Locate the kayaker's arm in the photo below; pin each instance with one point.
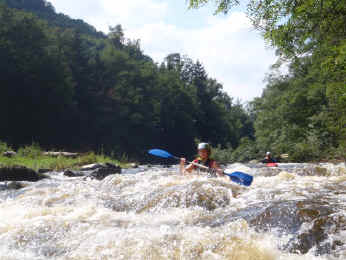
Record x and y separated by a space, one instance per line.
217 169
214 167
184 169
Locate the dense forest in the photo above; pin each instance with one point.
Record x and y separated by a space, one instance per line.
45 10
66 86
302 112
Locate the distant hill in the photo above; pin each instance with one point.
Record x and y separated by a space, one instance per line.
65 85
45 10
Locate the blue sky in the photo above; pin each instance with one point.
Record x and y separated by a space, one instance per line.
229 48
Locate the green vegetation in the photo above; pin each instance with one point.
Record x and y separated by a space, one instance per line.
45 10
4 147
66 88
302 113
32 157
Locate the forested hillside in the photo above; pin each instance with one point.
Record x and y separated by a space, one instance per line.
64 87
303 112
45 10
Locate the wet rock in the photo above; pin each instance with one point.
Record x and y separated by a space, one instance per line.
70 173
13 185
3 187
9 154
317 237
288 216
44 170
310 223
19 173
305 241
104 171
96 171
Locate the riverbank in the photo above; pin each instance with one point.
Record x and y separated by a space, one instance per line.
33 157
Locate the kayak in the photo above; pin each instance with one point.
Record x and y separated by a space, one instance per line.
272 165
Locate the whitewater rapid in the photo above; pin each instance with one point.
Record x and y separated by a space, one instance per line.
294 211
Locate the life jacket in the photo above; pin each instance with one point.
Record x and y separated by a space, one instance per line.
268 160
209 163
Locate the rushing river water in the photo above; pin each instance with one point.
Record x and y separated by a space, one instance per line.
294 211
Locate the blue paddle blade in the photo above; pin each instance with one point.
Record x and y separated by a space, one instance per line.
160 153
240 178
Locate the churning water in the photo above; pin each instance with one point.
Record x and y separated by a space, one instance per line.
294 211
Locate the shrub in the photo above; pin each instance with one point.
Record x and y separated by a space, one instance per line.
246 151
32 151
88 158
4 147
222 156
340 152
304 152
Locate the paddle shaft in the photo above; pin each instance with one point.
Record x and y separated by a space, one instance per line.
197 164
200 165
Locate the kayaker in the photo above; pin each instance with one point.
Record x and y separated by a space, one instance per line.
268 158
204 152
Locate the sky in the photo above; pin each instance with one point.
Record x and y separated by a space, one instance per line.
229 48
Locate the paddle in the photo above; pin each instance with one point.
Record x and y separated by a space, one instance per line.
238 177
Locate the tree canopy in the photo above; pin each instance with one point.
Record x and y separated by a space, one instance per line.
303 112
63 86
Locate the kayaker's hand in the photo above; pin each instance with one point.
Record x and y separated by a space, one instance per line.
182 165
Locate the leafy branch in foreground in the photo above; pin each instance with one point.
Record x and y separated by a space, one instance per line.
222 6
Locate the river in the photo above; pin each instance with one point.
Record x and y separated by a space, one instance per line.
294 211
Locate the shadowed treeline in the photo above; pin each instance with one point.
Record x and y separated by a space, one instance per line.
67 87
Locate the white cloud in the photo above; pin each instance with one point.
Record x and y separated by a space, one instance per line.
228 47
105 13
134 12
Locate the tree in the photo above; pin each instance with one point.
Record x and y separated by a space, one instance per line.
295 27
116 35
221 5
70 88
305 108
36 85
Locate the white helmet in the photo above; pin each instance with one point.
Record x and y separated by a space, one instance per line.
202 146
268 153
